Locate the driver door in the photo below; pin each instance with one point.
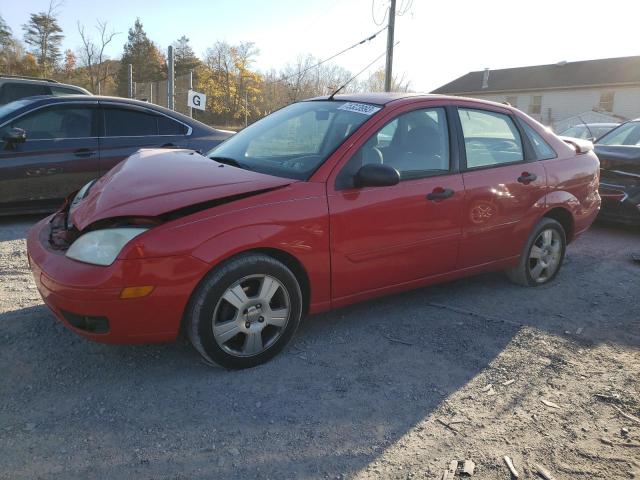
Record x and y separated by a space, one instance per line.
387 238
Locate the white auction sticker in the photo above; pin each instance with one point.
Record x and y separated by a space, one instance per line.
363 108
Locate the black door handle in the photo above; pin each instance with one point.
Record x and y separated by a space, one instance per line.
84 152
168 145
526 178
440 193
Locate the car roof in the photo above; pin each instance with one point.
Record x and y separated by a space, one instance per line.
384 98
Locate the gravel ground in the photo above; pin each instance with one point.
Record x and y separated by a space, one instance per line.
395 388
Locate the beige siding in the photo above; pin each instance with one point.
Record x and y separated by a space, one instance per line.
558 105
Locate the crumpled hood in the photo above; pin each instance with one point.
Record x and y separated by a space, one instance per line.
619 157
152 182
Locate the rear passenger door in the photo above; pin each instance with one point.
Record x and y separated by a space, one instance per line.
126 129
504 186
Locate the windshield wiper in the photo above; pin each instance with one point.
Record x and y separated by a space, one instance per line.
229 161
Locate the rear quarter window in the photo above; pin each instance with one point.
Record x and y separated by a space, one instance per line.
541 149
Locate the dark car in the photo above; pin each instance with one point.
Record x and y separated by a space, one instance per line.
13 87
619 154
54 145
588 131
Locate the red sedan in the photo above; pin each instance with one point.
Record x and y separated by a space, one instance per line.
324 203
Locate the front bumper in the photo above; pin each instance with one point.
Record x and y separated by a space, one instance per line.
82 295
620 204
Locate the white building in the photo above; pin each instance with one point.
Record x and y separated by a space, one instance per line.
554 93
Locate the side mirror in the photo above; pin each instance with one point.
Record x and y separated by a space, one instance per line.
376 175
15 136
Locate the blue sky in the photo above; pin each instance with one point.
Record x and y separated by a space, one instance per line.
439 40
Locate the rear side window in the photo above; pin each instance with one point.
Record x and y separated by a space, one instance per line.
166 126
60 121
15 91
541 148
120 122
490 138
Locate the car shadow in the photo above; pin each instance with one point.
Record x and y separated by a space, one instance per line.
352 383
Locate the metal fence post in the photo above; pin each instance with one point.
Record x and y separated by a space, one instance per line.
191 88
171 82
130 81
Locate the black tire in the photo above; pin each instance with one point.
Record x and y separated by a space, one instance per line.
522 273
199 315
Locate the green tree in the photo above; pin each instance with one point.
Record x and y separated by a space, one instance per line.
145 57
5 34
43 34
184 58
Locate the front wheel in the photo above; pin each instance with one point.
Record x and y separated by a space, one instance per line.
244 312
542 256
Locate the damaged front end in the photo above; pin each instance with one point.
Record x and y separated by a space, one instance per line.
620 184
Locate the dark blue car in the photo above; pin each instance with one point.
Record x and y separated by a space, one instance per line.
52 145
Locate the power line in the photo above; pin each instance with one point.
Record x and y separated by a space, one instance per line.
300 74
373 14
365 68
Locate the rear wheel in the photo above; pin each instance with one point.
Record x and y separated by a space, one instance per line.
542 256
244 312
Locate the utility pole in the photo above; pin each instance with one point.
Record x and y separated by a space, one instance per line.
388 71
171 79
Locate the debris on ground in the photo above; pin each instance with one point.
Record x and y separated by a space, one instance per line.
628 416
511 466
463 468
468 467
543 472
549 403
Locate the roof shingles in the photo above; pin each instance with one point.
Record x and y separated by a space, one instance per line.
607 71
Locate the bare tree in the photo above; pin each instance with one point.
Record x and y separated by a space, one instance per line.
92 55
44 35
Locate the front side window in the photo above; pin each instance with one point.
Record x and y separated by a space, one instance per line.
490 138
626 134
415 143
294 141
59 121
121 122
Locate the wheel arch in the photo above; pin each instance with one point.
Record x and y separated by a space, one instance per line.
564 217
289 260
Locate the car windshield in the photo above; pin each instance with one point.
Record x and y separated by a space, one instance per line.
12 107
294 141
626 134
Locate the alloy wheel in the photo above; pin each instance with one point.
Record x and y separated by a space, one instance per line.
251 315
545 255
